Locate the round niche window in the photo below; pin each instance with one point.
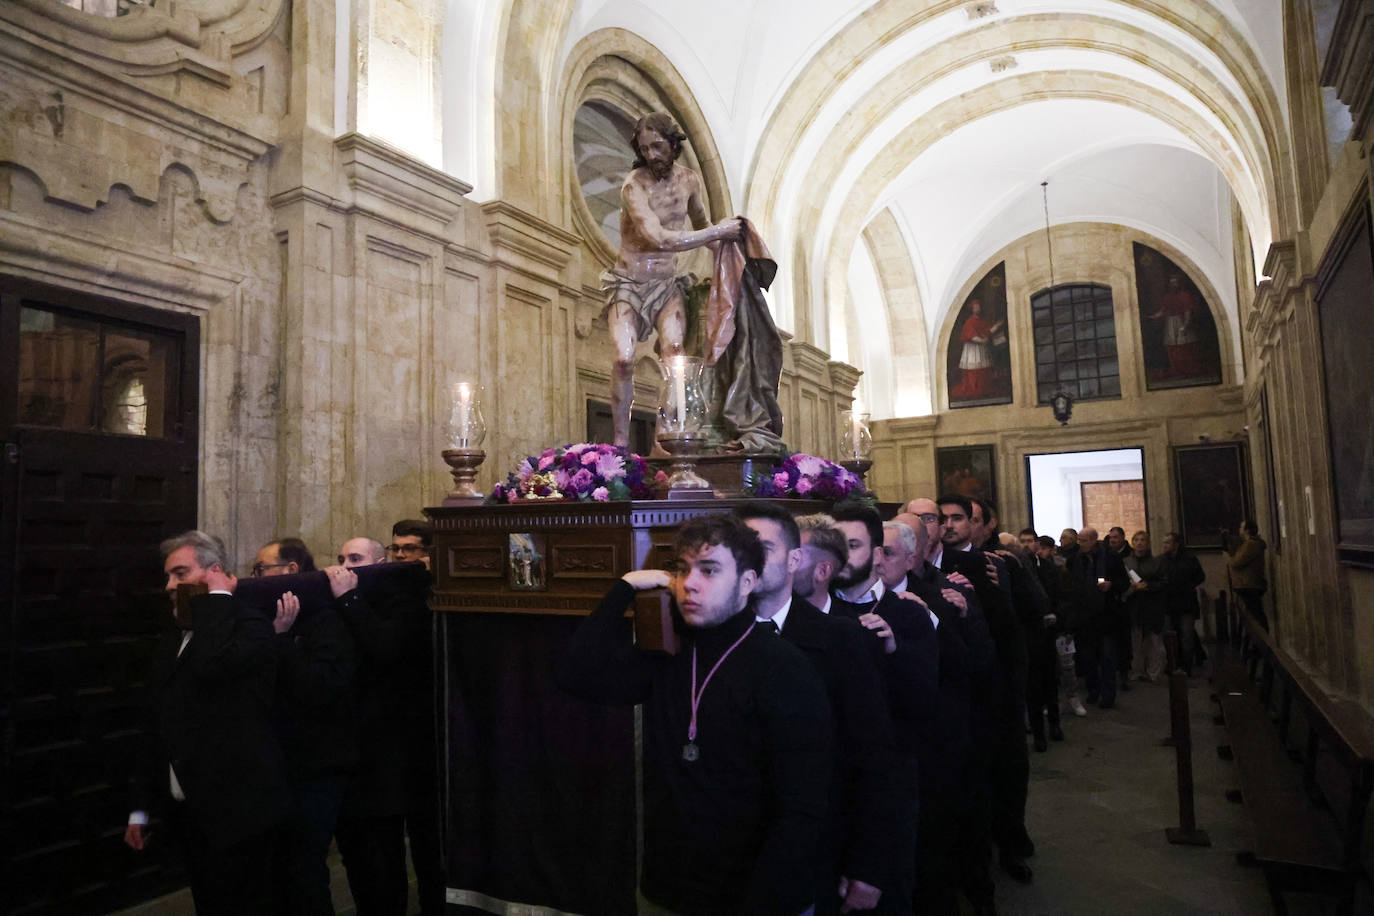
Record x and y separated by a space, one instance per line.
601 145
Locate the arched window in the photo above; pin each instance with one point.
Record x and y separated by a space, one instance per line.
1075 342
601 149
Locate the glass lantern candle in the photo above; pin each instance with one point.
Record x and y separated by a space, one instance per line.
856 441
681 416
467 429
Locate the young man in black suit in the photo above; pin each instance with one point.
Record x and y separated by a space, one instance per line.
1006 743
862 831
737 744
211 764
910 665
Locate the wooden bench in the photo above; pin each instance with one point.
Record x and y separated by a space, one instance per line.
1307 800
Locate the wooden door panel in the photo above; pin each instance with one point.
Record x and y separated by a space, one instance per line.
83 514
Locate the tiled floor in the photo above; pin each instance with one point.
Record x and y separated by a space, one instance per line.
1099 804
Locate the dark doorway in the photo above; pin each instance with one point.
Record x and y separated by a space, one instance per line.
99 419
601 427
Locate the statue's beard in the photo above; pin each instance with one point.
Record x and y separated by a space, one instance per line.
661 170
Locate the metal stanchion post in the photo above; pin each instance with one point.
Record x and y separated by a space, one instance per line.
1186 833
1171 653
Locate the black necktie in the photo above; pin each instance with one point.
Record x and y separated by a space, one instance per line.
769 626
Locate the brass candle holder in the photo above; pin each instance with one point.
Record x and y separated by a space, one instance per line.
684 482
466 431
463 464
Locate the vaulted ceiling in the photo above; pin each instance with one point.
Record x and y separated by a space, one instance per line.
943 117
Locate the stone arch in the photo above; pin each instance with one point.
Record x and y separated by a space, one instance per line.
835 241
618 66
1239 102
886 22
902 314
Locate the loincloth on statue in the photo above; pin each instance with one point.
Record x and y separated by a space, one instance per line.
646 298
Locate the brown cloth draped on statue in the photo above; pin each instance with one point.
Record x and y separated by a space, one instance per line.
743 345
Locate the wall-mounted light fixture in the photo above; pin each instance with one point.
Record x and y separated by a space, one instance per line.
1062 405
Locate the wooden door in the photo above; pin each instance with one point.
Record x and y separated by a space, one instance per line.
98 413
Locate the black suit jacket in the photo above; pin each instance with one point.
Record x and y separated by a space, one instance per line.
912 673
209 716
316 713
396 764
862 827
1008 636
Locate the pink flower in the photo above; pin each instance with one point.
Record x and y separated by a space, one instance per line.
780 480
561 479
804 485
589 457
808 465
547 459
601 494
581 480
610 466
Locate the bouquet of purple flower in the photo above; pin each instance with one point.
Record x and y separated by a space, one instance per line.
808 477
585 471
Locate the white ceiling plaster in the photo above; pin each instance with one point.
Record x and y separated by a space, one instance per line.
976 189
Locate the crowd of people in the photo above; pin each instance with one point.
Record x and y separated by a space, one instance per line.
844 726
271 735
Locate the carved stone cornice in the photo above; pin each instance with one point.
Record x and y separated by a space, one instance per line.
904 428
525 242
35 249
1349 64
153 38
395 186
810 361
82 132
1273 306
843 377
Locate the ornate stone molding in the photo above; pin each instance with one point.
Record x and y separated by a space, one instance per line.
81 132
525 242
398 187
843 377
158 37
33 248
810 361
1349 64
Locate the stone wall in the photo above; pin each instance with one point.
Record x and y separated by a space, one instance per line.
343 282
904 449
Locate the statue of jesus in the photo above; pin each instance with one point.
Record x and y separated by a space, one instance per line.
662 213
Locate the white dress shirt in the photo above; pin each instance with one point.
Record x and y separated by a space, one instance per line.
780 618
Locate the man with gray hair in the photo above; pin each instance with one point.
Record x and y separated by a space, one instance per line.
210 764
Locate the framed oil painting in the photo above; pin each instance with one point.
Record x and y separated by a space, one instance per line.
1213 491
1345 301
968 470
979 360
1178 335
